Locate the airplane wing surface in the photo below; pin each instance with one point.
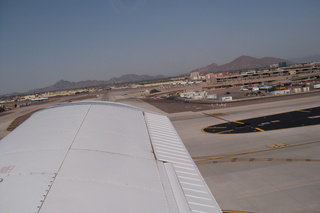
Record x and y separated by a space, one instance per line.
99 157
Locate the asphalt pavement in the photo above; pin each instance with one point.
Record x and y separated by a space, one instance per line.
292 119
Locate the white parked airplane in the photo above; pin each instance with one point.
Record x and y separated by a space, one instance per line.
38 99
99 157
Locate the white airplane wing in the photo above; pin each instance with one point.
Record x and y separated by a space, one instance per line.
99 157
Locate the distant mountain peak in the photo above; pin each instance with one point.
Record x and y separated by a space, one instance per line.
206 69
242 62
62 82
244 57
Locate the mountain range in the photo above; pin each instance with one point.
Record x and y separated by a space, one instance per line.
64 85
242 62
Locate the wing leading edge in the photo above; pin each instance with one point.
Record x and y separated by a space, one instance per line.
98 157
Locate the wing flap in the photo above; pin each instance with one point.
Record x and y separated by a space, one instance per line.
169 148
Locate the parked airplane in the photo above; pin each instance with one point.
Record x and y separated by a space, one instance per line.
262 87
99 157
38 99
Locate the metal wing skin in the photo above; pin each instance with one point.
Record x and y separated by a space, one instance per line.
99 157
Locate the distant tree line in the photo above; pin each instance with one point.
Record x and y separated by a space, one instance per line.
154 91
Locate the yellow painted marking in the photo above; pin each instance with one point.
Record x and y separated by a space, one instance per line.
224 131
277 145
114 98
238 122
218 114
303 111
261 130
224 156
215 127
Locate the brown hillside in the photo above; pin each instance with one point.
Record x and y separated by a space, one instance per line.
242 62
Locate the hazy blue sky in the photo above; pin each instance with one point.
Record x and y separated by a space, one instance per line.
44 41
